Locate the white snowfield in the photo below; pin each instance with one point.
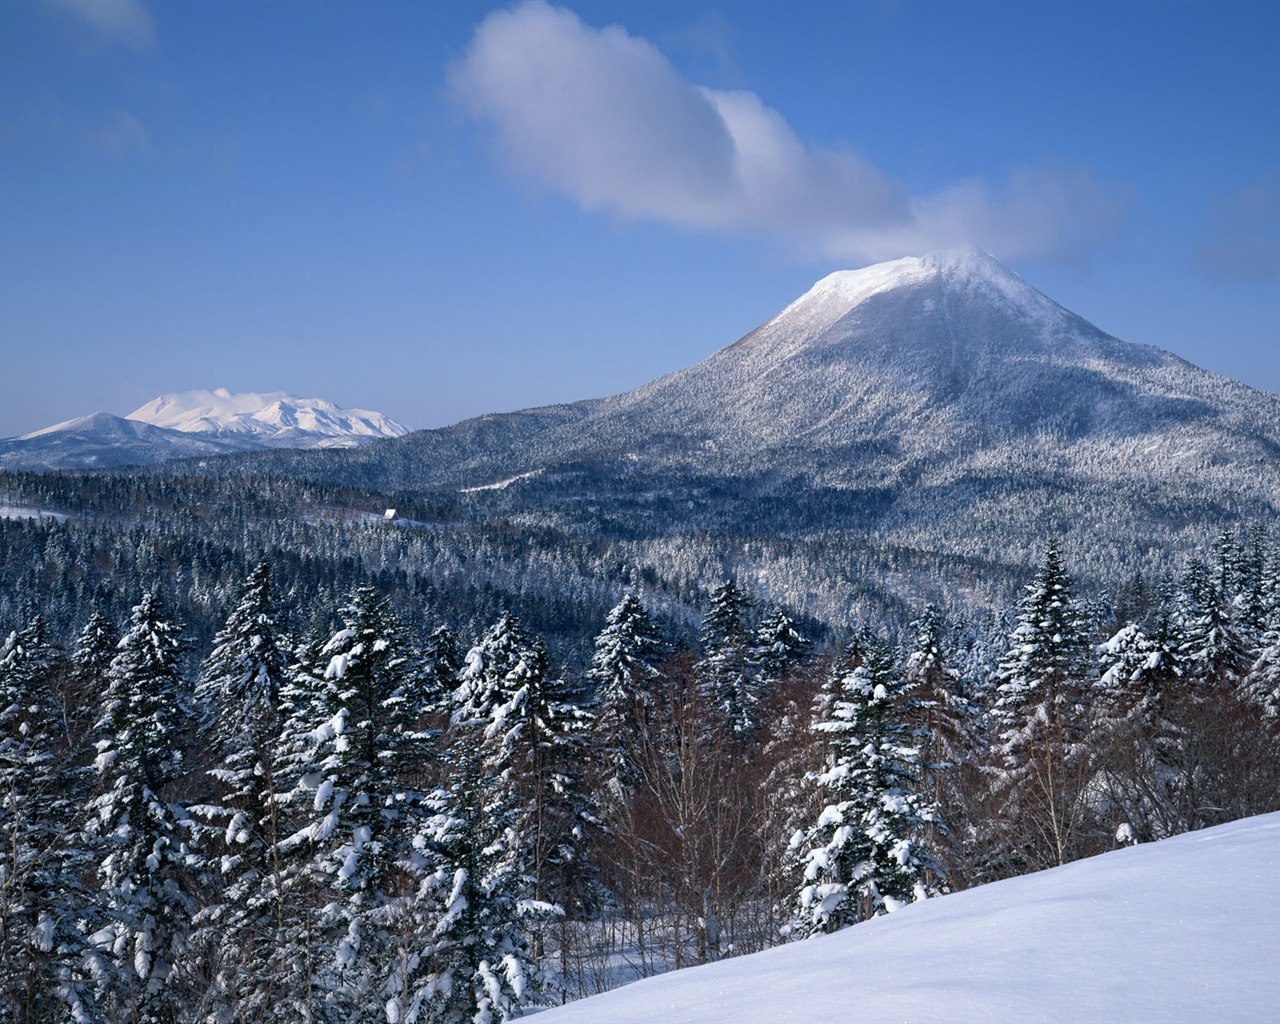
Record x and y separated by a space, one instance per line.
272 416
1182 930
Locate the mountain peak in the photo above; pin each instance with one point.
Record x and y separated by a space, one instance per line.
965 268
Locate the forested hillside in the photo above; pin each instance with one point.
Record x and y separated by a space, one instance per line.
345 812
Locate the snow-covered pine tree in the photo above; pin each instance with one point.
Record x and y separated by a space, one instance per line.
41 898
1257 581
534 742
864 855
361 783
1216 650
142 836
239 696
723 671
1135 743
946 726
1040 768
777 648
624 671
483 679
473 964
1264 676
88 673
441 664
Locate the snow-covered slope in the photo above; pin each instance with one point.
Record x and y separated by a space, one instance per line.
913 378
275 419
1181 930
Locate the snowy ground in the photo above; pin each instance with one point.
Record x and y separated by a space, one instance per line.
1182 930
21 512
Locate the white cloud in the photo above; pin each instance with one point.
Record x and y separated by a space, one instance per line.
603 118
116 21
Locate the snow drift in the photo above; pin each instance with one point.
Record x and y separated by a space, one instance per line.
1181 930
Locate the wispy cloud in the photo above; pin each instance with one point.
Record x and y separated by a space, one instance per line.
1242 239
126 22
121 133
603 118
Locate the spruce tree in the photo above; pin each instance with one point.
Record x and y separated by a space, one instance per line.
366 752
440 667
474 962
41 898
533 742
947 728
777 647
88 675
483 680
1216 649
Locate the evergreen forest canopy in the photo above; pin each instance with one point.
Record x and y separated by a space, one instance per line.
336 803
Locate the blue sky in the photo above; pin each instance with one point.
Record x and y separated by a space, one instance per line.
438 210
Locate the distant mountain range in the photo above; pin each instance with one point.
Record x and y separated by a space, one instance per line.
187 424
916 430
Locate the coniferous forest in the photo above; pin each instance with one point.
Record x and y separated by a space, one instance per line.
374 806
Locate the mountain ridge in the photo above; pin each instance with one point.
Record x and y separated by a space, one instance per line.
270 416
189 424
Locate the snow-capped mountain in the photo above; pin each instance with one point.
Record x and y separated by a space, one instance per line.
922 367
932 411
1179 930
195 423
276 419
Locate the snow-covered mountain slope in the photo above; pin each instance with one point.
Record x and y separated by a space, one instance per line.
924 380
190 424
1181 930
101 441
275 419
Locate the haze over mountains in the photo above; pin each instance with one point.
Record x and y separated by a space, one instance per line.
193 423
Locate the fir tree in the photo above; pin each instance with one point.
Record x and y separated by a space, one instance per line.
239 691
365 755
142 835
624 671
1040 766
864 855
723 670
